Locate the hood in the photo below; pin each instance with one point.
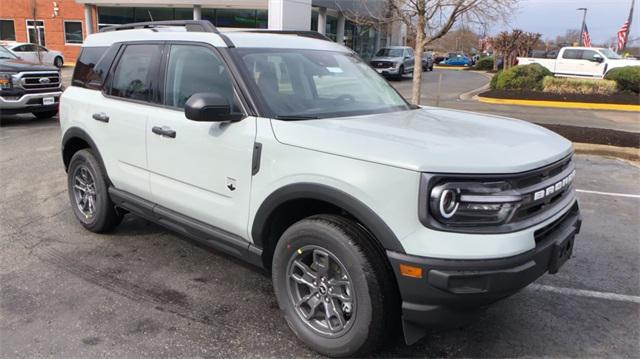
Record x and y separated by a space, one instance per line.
20 65
431 140
386 58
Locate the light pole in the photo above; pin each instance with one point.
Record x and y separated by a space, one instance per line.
584 21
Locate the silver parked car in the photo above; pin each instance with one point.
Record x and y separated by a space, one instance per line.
393 61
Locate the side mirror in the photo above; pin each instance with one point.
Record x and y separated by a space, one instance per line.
210 107
597 58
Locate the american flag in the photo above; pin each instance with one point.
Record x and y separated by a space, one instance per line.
586 40
622 35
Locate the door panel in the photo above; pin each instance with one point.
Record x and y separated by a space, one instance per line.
130 94
204 172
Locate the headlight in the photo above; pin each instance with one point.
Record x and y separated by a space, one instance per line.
6 80
495 203
472 203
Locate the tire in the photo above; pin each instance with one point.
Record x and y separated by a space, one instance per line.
374 310
45 114
400 72
104 216
58 62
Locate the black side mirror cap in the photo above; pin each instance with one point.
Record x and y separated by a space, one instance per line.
210 107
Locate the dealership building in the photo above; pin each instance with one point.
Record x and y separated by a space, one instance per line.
62 25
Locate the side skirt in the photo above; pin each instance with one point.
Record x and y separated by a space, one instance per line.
201 232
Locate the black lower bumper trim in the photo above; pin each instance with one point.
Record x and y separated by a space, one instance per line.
450 289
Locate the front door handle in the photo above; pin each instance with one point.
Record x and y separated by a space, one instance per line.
101 116
164 131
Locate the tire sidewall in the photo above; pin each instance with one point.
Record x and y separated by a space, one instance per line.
335 241
86 158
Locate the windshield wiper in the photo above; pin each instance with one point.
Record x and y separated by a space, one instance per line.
296 117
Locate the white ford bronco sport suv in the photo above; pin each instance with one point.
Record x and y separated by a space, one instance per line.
293 154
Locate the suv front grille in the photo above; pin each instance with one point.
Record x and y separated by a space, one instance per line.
30 81
539 180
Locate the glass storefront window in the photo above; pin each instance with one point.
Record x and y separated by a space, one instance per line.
242 18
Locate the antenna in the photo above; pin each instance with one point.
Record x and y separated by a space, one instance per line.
149 12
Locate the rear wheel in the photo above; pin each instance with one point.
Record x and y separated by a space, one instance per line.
333 286
88 193
45 114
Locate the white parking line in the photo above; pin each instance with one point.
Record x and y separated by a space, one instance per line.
626 195
586 293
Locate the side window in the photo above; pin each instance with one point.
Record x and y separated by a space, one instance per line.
192 69
19 48
135 76
86 63
572 54
409 52
40 48
588 54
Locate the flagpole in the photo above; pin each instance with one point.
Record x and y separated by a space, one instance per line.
584 21
626 37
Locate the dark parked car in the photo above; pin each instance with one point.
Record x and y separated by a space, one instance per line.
427 61
26 87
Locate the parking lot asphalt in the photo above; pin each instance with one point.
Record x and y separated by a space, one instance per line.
143 291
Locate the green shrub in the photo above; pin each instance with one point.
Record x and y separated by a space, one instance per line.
494 80
485 63
522 77
561 85
628 78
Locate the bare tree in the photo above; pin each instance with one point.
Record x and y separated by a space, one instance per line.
429 20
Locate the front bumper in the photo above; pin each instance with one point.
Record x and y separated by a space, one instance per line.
448 290
388 71
30 102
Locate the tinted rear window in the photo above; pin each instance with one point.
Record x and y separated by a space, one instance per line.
86 65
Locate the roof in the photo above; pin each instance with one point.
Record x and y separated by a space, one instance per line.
239 38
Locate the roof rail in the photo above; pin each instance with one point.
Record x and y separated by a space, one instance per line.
301 33
189 25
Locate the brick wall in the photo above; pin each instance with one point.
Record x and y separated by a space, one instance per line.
21 10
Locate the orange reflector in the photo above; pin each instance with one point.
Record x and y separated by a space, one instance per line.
410 271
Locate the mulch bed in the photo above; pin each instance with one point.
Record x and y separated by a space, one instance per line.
623 98
599 136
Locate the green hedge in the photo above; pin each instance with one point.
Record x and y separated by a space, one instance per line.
628 78
485 63
521 77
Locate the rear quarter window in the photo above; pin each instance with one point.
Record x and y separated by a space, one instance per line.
92 66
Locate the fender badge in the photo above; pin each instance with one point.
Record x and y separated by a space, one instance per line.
231 184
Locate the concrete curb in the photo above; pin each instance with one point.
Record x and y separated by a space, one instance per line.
627 153
472 95
559 104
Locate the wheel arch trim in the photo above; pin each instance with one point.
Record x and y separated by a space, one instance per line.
313 191
77 132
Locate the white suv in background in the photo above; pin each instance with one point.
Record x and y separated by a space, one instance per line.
293 154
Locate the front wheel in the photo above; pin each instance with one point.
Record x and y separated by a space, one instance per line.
88 193
333 286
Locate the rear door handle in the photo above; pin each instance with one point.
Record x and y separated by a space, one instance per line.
164 131
101 116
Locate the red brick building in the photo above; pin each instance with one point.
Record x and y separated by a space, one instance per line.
59 24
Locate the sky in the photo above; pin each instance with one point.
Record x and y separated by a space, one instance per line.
554 17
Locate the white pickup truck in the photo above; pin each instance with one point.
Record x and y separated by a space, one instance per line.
579 61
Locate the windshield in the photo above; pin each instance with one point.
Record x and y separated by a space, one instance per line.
389 53
303 84
6 54
610 54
